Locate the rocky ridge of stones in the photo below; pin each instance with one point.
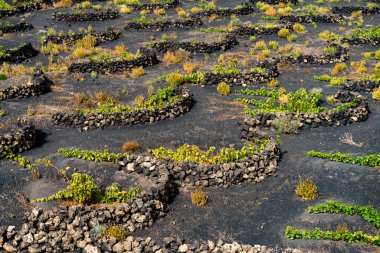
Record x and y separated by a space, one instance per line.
244 79
351 9
39 85
148 58
227 43
251 169
98 120
20 27
361 41
325 18
310 120
109 35
19 54
153 6
21 9
273 2
244 10
22 139
361 85
340 55
81 17
257 31
164 25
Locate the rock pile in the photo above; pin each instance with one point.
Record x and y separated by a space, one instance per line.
164 25
98 120
325 18
153 6
19 54
38 85
244 79
81 17
19 141
20 27
250 169
148 58
227 43
339 55
361 41
258 30
308 120
361 85
351 9
21 9
243 10
109 35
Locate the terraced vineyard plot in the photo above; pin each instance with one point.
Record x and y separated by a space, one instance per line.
189 126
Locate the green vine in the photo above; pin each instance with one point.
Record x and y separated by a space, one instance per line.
368 213
368 160
89 155
83 189
193 153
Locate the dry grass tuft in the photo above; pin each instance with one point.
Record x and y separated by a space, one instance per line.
131 146
306 189
348 139
171 57
199 197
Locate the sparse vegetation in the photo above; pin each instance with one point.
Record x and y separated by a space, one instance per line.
223 89
368 160
306 189
131 146
199 197
83 189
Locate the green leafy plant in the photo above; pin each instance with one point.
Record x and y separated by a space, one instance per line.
115 231
161 98
83 189
299 101
368 160
372 32
89 155
368 213
286 124
193 153
223 89
21 160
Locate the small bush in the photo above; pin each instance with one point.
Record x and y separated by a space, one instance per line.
273 45
94 75
298 28
339 67
223 89
63 4
376 94
115 231
159 12
306 189
199 197
273 83
286 124
174 79
189 67
35 174
101 96
140 100
138 72
283 33
171 57
260 45
131 146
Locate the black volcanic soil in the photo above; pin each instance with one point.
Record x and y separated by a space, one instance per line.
248 213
